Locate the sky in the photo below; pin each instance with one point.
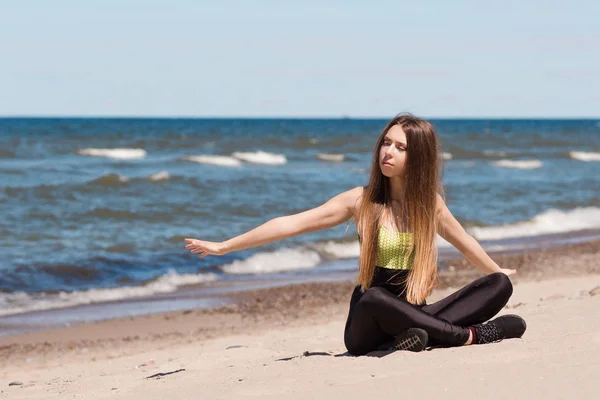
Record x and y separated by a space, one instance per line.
304 58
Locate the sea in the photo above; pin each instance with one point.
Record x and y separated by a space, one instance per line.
94 211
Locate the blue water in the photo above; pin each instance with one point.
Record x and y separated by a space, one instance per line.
73 222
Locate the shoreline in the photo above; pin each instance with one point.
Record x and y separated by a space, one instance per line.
253 310
214 295
54 313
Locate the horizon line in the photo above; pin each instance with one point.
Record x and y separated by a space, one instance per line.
292 117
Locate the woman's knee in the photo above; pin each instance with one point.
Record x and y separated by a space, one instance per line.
502 284
354 348
372 297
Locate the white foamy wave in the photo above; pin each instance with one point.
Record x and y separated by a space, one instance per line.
159 176
331 157
447 156
495 153
551 221
519 164
119 154
261 157
20 302
276 261
224 161
440 242
584 156
339 250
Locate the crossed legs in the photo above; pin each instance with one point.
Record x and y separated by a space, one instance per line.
377 316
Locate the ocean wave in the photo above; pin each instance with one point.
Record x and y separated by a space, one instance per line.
167 215
224 161
119 154
301 258
159 176
341 250
493 153
261 157
116 180
519 164
331 157
440 242
7 153
281 260
549 222
109 180
20 302
584 156
108 213
338 250
465 154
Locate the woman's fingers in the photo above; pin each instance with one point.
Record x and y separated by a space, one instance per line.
192 243
204 248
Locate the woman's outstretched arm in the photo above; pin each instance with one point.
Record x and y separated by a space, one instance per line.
453 232
335 211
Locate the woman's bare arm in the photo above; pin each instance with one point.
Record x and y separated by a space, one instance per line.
335 211
453 232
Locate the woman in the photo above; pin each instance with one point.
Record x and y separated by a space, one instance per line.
398 215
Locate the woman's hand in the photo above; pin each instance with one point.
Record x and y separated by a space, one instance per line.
205 248
508 272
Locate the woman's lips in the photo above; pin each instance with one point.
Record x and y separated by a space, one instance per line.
387 164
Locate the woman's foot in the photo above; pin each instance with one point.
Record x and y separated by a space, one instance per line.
504 327
413 339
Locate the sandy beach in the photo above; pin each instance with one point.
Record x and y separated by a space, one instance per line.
183 192
288 342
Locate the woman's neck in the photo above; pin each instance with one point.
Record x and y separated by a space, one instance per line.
396 189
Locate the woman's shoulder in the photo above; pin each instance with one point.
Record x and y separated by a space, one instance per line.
353 199
356 195
350 199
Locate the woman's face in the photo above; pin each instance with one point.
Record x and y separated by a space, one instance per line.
392 154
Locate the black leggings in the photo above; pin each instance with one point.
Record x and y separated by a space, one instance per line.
377 315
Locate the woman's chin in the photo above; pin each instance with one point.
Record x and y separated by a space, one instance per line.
389 173
386 172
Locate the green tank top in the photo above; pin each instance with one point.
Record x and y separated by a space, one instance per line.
393 249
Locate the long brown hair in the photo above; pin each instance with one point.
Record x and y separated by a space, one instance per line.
422 184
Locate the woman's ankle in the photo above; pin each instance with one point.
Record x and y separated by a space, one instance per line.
471 338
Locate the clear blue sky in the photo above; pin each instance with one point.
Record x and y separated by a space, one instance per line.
300 58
